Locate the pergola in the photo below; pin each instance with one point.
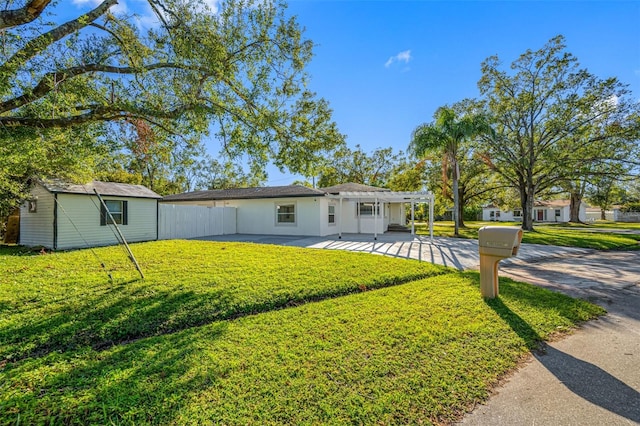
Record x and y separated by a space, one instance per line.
387 197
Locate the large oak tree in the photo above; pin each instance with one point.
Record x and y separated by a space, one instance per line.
552 117
236 74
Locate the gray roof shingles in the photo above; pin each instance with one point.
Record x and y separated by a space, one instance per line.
247 193
111 189
352 187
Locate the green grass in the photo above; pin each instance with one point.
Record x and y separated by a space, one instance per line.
569 235
64 300
423 349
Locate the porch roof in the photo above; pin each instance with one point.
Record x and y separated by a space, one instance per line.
385 196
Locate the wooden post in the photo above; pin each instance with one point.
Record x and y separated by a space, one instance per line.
113 222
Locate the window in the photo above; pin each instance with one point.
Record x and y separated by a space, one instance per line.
366 209
286 213
557 212
332 215
33 206
517 213
118 210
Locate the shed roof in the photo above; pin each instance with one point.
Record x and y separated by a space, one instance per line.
113 189
247 193
352 187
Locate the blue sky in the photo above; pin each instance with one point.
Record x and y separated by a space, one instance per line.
386 66
377 102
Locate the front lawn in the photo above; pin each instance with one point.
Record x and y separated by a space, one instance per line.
579 235
320 348
62 301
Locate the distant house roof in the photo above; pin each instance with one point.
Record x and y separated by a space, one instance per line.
548 203
247 193
552 203
112 189
352 187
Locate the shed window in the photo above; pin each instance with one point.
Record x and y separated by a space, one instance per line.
286 213
118 210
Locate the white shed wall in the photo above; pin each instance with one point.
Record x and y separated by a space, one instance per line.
36 229
82 212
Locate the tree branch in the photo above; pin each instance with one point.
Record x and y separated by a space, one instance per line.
98 113
50 80
24 15
40 43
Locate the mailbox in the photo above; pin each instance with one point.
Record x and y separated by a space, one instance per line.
495 243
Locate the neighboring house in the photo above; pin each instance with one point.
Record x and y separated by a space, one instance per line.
299 210
63 216
543 211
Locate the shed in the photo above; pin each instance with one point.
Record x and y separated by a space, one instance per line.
60 215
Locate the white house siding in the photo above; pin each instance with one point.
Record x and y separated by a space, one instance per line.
83 212
190 221
351 223
327 228
539 214
36 229
498 215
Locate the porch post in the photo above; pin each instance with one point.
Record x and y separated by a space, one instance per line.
340 219
375 219
413 220
431 216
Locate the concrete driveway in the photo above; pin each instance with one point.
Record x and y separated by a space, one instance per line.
459 253
591 377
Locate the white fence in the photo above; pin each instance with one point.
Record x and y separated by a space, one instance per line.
633 217
184 221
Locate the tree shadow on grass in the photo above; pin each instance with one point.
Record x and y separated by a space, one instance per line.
584 379
102 320
148 381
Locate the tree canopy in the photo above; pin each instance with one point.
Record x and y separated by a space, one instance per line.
236 74
551 119
357 166
446 136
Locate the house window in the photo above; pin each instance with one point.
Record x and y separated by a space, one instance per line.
332 215
33 206
118 210
557 212
366 209
517 213
286 213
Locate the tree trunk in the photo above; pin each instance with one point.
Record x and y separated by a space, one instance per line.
460 212
456 198
526 201
574 208
603 214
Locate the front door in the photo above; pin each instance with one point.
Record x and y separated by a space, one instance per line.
540 215
394 214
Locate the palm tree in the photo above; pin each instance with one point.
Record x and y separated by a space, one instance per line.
443 137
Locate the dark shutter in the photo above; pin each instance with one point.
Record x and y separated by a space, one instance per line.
124 213
103 215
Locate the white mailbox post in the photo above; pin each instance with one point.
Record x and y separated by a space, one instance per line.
495 243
